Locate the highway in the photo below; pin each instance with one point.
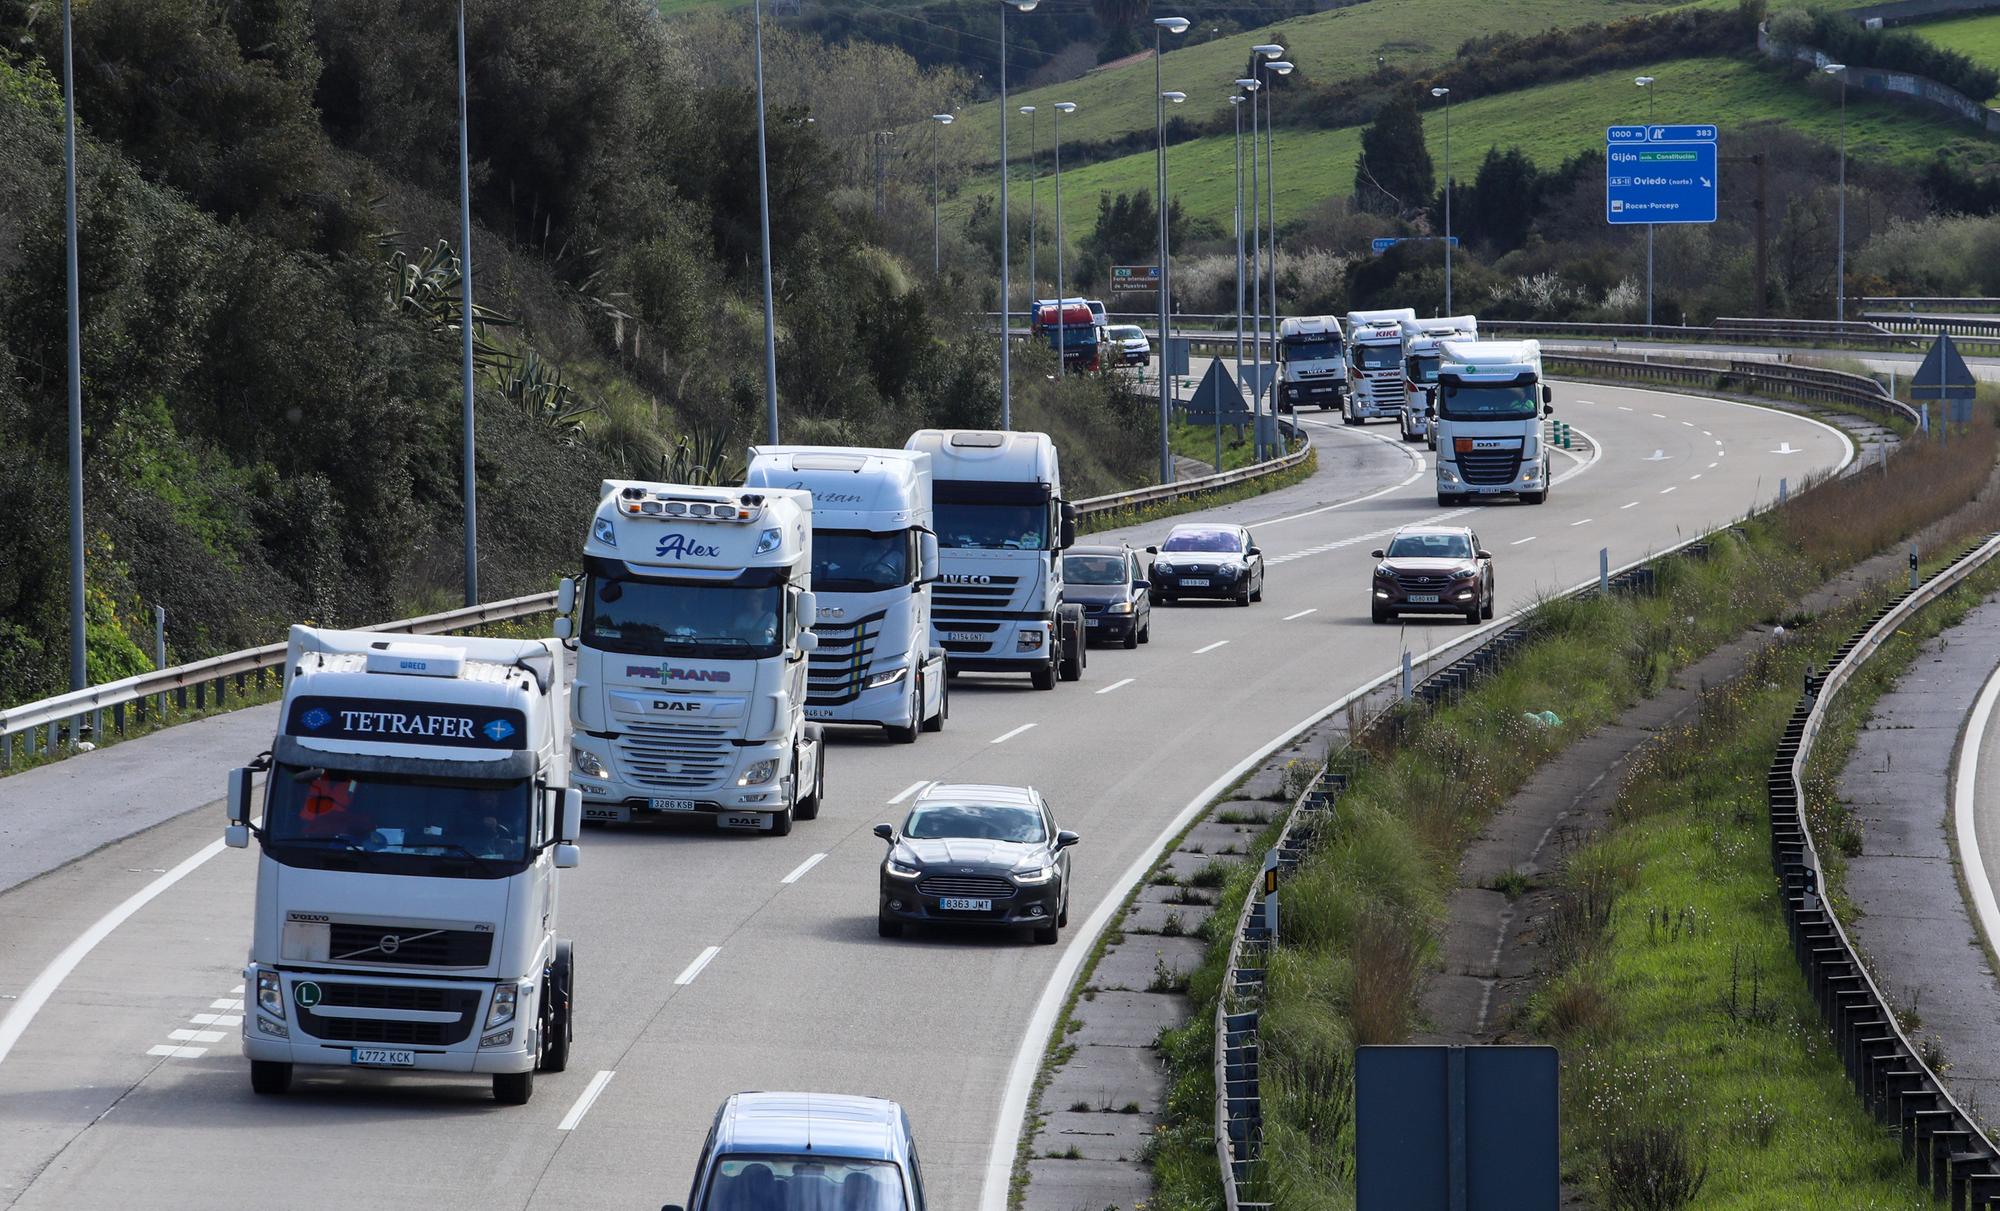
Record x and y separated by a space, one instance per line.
711 963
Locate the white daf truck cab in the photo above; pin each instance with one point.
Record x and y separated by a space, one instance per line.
1375 385
1312 362
1002 526
1421 357
874 557
1491 401
690 695
415 815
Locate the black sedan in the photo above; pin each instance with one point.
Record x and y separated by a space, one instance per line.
1208 560
976 855
1111 586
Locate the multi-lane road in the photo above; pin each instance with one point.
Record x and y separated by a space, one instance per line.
712 963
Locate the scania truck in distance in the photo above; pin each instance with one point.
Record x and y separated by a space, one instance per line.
1002 526
1421 339
1375 384
416 814
874 557
691 690
1312 362
1491 401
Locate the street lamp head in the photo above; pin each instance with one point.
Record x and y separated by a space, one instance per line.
1026 6
1173 25
1440 92
1834 69
942 119
1642 81
1237 98
1249 85
1065 107
1175 97
1027 109
1280 66
1270 50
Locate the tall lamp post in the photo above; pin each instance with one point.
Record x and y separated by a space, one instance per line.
1646 82
1250 85
1281 67
78 663
1236 101
1062 342
1006 317
1445 94
1034 175
1171 25
1840 256
937 229
764 240
1263 52
465 326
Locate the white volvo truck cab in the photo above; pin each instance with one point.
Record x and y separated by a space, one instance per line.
1375 385
1421 358
415 815
1002 526
1312 362
874 557
1491 401
697 613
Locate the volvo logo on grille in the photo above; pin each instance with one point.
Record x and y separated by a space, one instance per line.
390 944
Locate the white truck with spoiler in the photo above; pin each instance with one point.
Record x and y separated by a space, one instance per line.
1375 386
1490 403
415 816
1421 358
1312 362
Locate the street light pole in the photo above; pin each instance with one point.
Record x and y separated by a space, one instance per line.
1006 317
465 326
1172 25
1034 176
1062 334
1271 216
1251 86
1236 101
1447 94
1646 82
937 230
764 238
1840 255
79 674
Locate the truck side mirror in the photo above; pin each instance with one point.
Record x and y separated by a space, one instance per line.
887 832
237 834
572 814
567 855
566 595
808 610
808 642
1548 409
927 558
563 628
1548 394
1068 525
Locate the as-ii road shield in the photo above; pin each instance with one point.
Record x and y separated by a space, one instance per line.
1659 174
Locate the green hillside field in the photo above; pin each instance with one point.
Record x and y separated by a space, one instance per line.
1549 123
1977 38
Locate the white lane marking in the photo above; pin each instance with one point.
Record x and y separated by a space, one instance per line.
1721 453
217 1019
1517 542
907 791
1657 456
1688 423
1415 475
177 1053
1211 647
799 871
693 969
1695 476
1114 685
1300 614
23 1011
1659 416
1713 466
585 1100
1586 521
1964 803
1786 448
1709 433
195 1036
1623 408
226 1003
1664 491
1004 737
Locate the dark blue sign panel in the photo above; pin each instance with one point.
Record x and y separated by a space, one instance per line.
1659 174
1382 244
456 724
1456 1129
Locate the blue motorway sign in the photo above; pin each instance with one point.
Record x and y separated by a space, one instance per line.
1659 174
1382 244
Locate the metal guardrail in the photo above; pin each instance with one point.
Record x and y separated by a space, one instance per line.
1804 383
1931 302
1094 505
1953 1156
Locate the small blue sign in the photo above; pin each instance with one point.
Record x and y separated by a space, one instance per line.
1660 174
1382 244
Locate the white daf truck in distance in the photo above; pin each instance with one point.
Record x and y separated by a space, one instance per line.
1312 362
691 652
415 816
1375 384
1490 403
874 557
1421 357
1002 526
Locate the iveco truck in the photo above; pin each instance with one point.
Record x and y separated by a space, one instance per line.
1421 339
690 695
1490 403
1312 362
415 816
1002 526
1375 387
874 558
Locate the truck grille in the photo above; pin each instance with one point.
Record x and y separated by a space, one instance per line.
845 657
980 886
673 756
323 1021
949 601
1384 388
1489 466
408 945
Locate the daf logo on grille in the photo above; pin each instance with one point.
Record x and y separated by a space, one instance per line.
390 943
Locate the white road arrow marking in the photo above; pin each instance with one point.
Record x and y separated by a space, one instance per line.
1786 448
1657 456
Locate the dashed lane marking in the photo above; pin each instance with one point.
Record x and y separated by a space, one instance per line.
585 1100
1211 647
1114 685
1586 521
1517 542
799 871
907 791
693 969
1664 491
1004 737
1300 614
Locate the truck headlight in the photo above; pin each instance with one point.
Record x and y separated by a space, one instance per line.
603 531
506 998
763 771
768 541
889 678
588 764
270 994
1028 641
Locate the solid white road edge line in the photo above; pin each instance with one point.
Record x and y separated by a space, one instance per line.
1300 614
585 1100
1211 647
693 969
1006 736
23 1011
1035 1038
799 871
1964 806
1408 453
1114 685
907 791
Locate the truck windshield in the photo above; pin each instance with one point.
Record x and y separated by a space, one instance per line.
856 561
682 618
1311 349
1009 527
392 824
1424 369
1495 402
782 1183
1378 357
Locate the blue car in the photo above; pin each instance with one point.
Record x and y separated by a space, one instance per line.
778 1151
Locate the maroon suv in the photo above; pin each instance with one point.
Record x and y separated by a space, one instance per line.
1432 570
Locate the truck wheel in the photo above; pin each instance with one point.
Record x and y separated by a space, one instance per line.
1043 677
556 1023
936 722
513 1088
908 735
270 1077
1533 498
781 821
1071 664
1446 499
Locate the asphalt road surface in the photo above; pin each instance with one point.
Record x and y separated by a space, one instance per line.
712 963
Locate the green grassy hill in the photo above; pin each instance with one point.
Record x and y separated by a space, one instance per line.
1977 38
1549 123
